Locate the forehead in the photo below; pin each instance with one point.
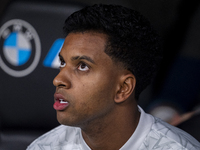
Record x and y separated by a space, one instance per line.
91 44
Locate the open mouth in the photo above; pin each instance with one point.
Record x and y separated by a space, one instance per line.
62 101
60 104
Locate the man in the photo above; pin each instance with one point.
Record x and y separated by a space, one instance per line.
109 56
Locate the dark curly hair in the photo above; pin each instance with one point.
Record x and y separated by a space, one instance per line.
131 39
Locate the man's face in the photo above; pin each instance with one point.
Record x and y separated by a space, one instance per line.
87 80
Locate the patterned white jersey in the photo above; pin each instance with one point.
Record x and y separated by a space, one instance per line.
150 134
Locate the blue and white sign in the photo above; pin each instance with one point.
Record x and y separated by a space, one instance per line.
52 59
17 49
21 48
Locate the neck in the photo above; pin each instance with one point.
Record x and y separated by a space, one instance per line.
112 131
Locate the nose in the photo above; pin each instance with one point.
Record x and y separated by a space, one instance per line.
62 80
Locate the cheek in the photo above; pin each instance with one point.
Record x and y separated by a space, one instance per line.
94 95
94 91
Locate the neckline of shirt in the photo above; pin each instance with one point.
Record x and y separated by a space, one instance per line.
143 128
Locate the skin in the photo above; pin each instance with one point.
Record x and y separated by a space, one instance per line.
100 92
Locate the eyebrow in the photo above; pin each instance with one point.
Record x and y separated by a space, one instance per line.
79 58
83 57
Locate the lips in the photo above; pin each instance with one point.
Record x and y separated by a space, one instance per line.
60 102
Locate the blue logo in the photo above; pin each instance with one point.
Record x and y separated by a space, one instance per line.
52 59
21 48
17 49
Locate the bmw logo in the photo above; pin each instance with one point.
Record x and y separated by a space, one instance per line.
20 48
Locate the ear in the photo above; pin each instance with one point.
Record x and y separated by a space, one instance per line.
125 88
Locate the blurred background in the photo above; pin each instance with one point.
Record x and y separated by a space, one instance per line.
31 36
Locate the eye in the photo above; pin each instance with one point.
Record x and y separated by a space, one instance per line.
62 63
83 67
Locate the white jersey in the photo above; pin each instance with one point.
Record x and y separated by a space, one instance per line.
150 134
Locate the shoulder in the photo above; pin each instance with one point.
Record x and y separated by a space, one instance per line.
163 135
61 134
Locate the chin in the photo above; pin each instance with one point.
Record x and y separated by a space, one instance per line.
66 121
